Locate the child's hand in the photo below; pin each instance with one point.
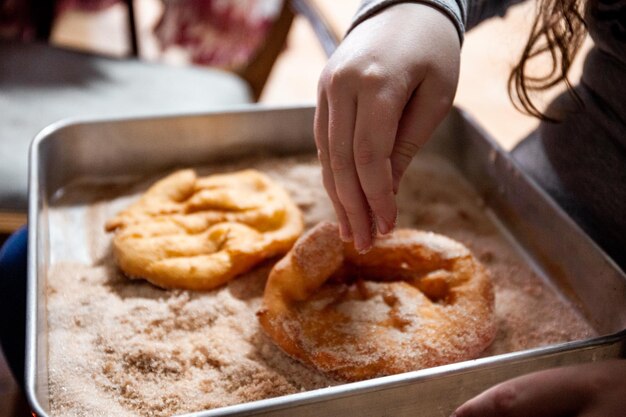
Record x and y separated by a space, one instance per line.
590 390
381 95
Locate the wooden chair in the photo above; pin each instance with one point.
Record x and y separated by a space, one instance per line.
257 71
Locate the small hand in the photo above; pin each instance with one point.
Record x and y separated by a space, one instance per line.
381 95
589 390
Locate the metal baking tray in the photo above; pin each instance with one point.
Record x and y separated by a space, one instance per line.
547 239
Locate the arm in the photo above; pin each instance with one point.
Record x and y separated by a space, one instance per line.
381 95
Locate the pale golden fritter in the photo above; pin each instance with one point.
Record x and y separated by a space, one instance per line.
197 233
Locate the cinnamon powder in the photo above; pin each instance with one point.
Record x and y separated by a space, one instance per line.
127 348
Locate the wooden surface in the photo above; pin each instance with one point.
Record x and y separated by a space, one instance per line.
10 221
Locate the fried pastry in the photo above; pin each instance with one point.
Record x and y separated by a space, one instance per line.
197 233
415 300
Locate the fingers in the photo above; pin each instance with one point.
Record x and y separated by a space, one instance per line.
364 90
589 390
554 392
341 119
374 136
366 143
355 138
422 114
321 140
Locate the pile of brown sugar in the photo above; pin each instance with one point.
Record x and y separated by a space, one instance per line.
127 348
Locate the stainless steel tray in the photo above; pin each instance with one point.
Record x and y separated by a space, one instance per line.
548 240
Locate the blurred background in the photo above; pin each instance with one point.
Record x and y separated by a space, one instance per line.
489 52
291 72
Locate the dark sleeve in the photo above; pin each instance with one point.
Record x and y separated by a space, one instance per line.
465 14
479 10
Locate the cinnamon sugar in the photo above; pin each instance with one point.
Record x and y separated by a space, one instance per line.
126 348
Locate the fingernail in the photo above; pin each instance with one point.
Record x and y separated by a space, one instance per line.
382 226
361 245
364 250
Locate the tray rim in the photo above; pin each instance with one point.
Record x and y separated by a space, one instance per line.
308 397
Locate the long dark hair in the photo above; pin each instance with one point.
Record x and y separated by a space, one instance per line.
559 30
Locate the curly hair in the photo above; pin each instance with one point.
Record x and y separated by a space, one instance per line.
559 30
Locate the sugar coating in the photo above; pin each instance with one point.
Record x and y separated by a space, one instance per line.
415 300
126 348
